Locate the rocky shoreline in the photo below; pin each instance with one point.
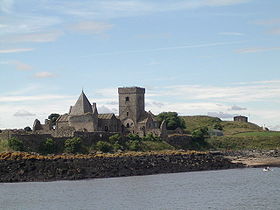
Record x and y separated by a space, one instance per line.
20 167
255 158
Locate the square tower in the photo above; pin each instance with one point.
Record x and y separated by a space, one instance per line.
131 103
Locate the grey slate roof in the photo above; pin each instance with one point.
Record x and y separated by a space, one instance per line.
82 106
106 116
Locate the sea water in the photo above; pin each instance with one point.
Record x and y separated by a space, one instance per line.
249 188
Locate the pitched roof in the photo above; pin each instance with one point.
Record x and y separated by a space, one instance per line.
106 116
63 118
82 106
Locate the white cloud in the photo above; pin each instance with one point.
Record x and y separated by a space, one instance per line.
23 113
204 45
275 31
268 22
257 49
231 34
237 108
35 37
6 6
44 74
124 8
220 115
91 27
16 50
104 110
19 98
21 66
236 94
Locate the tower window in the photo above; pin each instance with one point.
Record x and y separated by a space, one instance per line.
127 114
127 125
127 98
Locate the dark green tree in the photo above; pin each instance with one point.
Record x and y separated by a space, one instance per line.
27 129
172 119
200 133
53 117
73 145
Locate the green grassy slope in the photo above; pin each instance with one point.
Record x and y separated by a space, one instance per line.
229 127
194 122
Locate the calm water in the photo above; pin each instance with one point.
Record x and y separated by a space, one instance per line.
225 189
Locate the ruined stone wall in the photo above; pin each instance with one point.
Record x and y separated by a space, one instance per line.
179 140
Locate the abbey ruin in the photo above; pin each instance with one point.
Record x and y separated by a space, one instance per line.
84 117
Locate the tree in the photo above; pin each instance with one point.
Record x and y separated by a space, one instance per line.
53 117
172 119
200 133
73 145
27 129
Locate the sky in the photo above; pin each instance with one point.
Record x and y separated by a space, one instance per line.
195 57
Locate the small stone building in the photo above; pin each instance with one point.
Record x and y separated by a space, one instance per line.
240 119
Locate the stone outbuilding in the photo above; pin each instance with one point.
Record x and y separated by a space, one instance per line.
240 118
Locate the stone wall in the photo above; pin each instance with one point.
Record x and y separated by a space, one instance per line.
179 140
33 169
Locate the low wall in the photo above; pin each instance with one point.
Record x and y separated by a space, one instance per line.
179 141
33 169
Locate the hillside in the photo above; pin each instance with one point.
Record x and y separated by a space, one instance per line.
229 127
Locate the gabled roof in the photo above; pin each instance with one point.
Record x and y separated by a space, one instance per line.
82 106
106 116
63 118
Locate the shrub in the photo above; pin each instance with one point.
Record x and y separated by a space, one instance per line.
151 137
48 147
115 138
15 144
133 137
134 145
200 133
218 126
104 146
73 145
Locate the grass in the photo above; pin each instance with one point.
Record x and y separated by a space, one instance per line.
229 127
4 145
194 122
244 142
260 133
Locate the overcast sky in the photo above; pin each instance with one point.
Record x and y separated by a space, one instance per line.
196 57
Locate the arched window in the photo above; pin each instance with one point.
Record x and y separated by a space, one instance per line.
127 98
127 114
127 125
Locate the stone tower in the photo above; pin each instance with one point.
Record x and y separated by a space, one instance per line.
131 105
